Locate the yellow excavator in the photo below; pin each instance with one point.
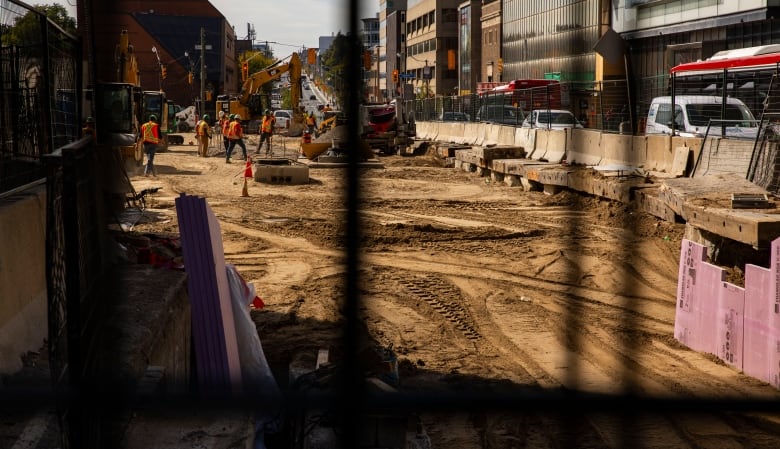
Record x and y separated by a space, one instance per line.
249 104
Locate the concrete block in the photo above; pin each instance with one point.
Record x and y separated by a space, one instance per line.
680 161
512 180
530 185
585 148
618 149
540 145
282 174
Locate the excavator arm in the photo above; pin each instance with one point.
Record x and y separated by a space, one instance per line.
255 82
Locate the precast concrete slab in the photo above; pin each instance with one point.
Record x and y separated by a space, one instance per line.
489 153
445 150
518 167
753 228
713 190
647 199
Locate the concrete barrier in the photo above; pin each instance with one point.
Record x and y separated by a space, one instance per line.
585 147
23 308
471 132
618 149
506 135
491 134
555 145
423 130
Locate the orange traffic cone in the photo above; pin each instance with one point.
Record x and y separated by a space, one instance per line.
244 191
248 168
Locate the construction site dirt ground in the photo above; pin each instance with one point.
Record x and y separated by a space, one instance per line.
479 288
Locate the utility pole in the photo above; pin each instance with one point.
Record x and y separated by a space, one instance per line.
202 71
376 87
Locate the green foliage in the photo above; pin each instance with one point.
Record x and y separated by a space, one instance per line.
26 29
335 61
257 60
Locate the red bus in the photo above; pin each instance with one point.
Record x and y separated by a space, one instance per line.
528 94
744 73
752 58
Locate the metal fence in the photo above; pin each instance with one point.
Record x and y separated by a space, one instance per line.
39 91
608 107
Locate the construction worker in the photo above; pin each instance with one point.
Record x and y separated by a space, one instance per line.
224 124
150 136
311 123
266 131
236 136
89 128
203 133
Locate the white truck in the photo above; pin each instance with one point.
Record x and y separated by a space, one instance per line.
186 119
692 115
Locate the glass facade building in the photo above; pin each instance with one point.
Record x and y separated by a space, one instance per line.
551 39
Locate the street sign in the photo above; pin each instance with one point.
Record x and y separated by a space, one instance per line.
198 47
406 75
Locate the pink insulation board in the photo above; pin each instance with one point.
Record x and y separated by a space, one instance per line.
758 304
707 296
729 329
774 316
691 255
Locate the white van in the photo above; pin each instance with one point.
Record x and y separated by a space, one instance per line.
692 114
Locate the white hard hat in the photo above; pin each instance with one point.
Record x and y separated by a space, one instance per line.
238 116
220 114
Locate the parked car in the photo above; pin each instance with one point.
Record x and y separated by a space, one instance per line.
692 114
551 119
501 114
283 118
454 117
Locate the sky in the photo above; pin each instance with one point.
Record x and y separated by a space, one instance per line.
292 24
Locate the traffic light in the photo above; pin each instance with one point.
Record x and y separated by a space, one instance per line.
244 70
451 59
164 71
367 60
395 75
500 65
311 56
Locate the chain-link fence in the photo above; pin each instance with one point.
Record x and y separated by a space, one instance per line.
608 107
39 90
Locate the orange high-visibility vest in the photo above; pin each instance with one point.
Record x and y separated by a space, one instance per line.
202 127
268 124
235 132
225 127
149 130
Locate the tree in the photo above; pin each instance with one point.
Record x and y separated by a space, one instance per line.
25 30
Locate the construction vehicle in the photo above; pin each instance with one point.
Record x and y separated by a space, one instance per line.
117 106
250 105
121 108
386 127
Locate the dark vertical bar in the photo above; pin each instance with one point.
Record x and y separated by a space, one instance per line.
352 387
45 140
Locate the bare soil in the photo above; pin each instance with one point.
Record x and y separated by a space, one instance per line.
479 288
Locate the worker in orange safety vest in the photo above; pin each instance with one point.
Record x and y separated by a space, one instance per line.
203 133
150 136
236 137
266 131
